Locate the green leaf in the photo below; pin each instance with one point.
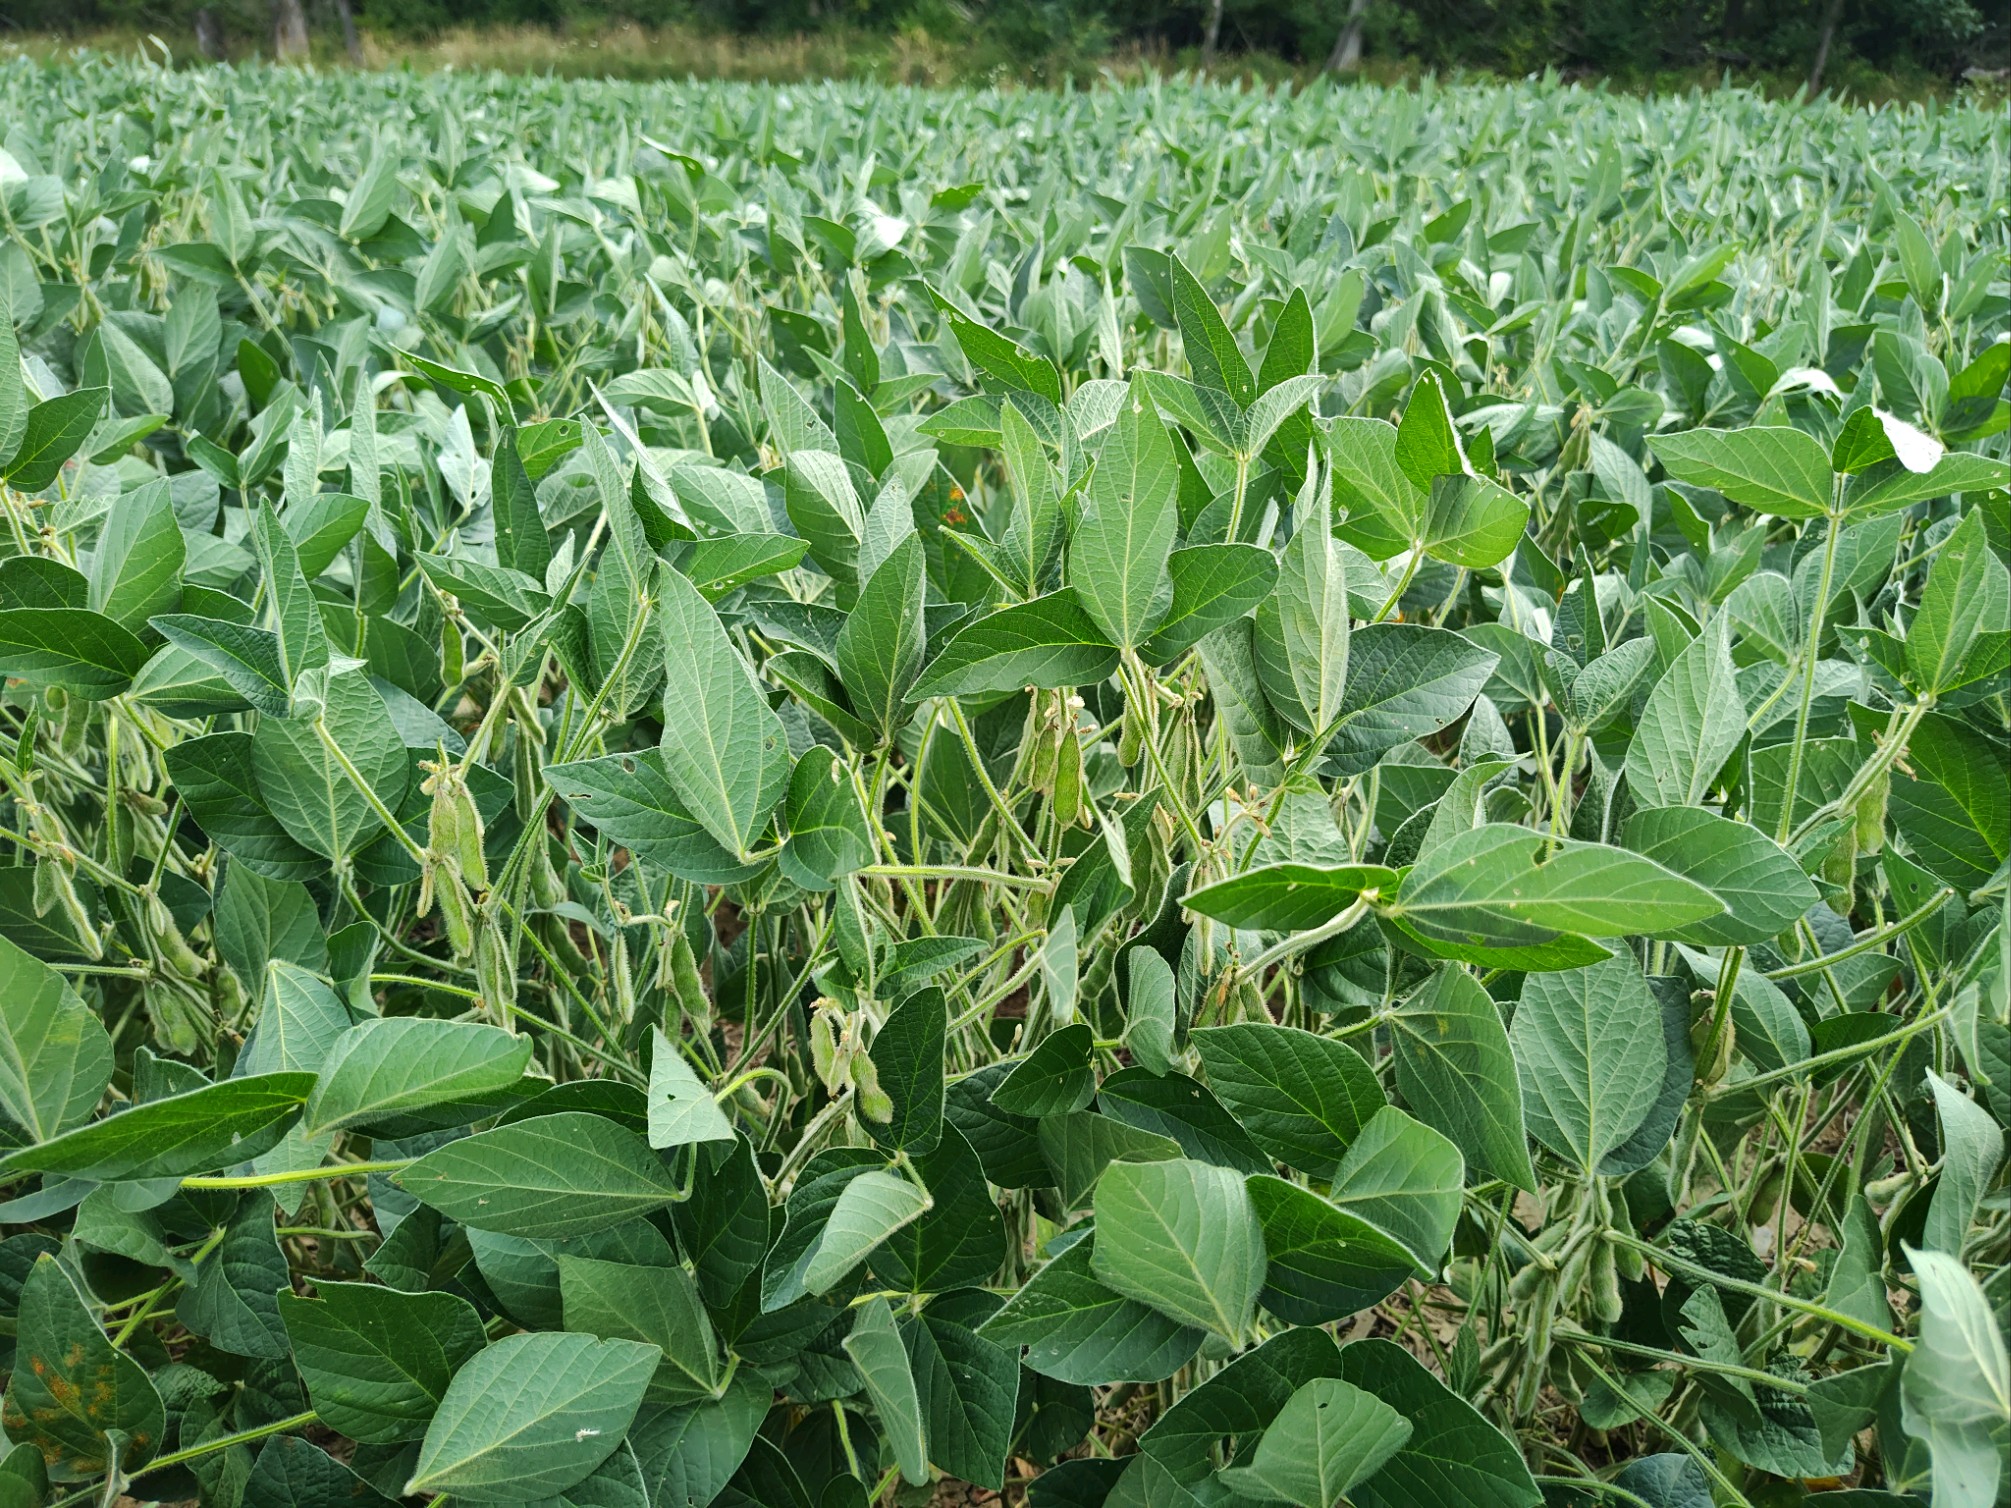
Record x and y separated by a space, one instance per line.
823 505
1457 1073
811 1201
998 356
1240 1400
55 1056
876 1350
531 1416
247 658
1694 722
1589 1050
1078 1330
1965 612
1048 642
1472 521
1303 1098
1762 888
1384 509
1405 681
1857 1281
290 1473
521 541
1453 1455
907 1054
1313 623
1212 585
1323 1263
456 380
194 1132
1151 1014
72 647
85 1405
1054 1079
54 431
724 751
370 200
1972 1150
969 1388
961 1238
1774 469
659 1306
1176 1106
1288 897
1404 1178
1497 885
1211 350
299 1019
296 619
1253 728
321 525
1079 1147
13 393
1328 1436
303 783
508 599
1891 484
1034 531
723 1227
230 1300
549 1177
869 1209
377 1362
1955 1391
215 776
689 1453
1117 557
719 566
881 645
828 833
1427 440
682 1109
630 798
136 570
1181 1237
380 1069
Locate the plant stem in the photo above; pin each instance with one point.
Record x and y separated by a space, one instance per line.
298 1175
1673 1263
207 1448
956 872
1402 586
1811 653
396 828
1299 942
1869 941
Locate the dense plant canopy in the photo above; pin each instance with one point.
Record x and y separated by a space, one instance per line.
755 796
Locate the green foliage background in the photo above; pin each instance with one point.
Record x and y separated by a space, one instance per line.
1906 39
1161 795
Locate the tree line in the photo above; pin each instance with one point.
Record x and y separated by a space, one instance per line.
1945 38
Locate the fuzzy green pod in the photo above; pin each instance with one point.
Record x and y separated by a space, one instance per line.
456 909
1068 803
453 654
495 967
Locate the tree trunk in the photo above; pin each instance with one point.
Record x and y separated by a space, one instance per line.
289 30
1347 54
1214 36
209 35
346 14
1831 13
